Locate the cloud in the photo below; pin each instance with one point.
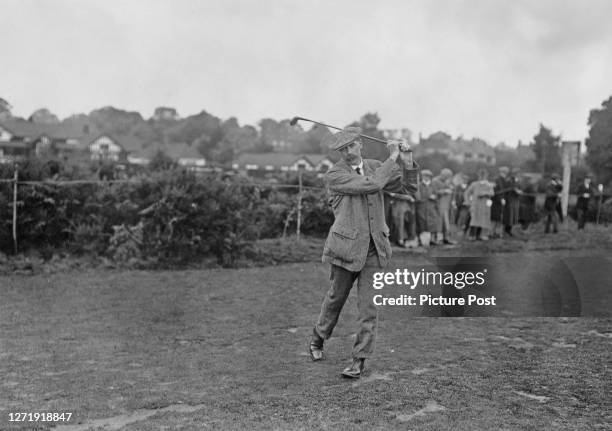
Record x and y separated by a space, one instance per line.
487 68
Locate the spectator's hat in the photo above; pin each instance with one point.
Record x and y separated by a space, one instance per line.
555 176
345 137
504 169
426 173
446 173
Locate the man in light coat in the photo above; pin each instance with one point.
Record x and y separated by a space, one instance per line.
358 242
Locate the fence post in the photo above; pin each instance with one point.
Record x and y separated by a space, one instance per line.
15 179
599 201
299 206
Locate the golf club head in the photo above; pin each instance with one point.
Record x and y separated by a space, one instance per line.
294 121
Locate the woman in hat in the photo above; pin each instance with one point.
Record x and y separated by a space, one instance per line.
478 195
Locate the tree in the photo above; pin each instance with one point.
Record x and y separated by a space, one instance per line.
161 162
267 136
546 147
235 140
115 121
202 130
369 126
43 116
5 108
599 142
317 140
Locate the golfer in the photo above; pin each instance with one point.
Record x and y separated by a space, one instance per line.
358 241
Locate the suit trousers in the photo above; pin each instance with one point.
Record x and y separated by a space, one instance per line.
341 284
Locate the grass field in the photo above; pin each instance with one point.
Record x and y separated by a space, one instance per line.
226 349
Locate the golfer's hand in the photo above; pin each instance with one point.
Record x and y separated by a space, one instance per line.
404 145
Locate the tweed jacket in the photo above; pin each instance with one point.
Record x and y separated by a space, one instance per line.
357 202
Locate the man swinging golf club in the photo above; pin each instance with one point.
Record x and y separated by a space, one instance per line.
358 241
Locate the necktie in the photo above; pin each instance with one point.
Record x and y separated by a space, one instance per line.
358 170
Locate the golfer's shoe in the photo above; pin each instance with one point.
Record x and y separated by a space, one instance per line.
355 370
315 347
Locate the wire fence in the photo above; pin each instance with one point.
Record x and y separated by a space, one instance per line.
294 213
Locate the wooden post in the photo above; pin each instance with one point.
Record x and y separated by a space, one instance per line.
15 179
299 207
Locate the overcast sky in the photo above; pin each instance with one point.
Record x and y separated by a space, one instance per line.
487 68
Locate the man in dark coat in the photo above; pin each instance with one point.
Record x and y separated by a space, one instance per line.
428 219
462 213
511 208
553 194
585 192
504 210
527 202
358 242
502 184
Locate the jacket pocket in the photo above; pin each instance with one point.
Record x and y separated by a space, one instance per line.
342 243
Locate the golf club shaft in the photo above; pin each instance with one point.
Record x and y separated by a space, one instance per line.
338 128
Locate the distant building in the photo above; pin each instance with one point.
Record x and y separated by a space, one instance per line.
106 148
165 114
185 155
20 139
398 134
261 163
459 150
320 162
475 150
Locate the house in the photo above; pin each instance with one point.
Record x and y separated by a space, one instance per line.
16 138
475 150
185 155
258 163
398 134
21 139
107 148
321 162
460 150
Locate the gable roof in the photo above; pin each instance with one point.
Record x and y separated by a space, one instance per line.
26 129
22 128
315 159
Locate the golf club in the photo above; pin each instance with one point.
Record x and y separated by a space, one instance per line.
294 121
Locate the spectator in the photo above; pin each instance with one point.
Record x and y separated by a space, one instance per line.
462 213
502 185
585 192
427 210
553 193
527 202
478 195
403 218
444 194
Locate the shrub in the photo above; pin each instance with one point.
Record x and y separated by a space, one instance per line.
170 217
